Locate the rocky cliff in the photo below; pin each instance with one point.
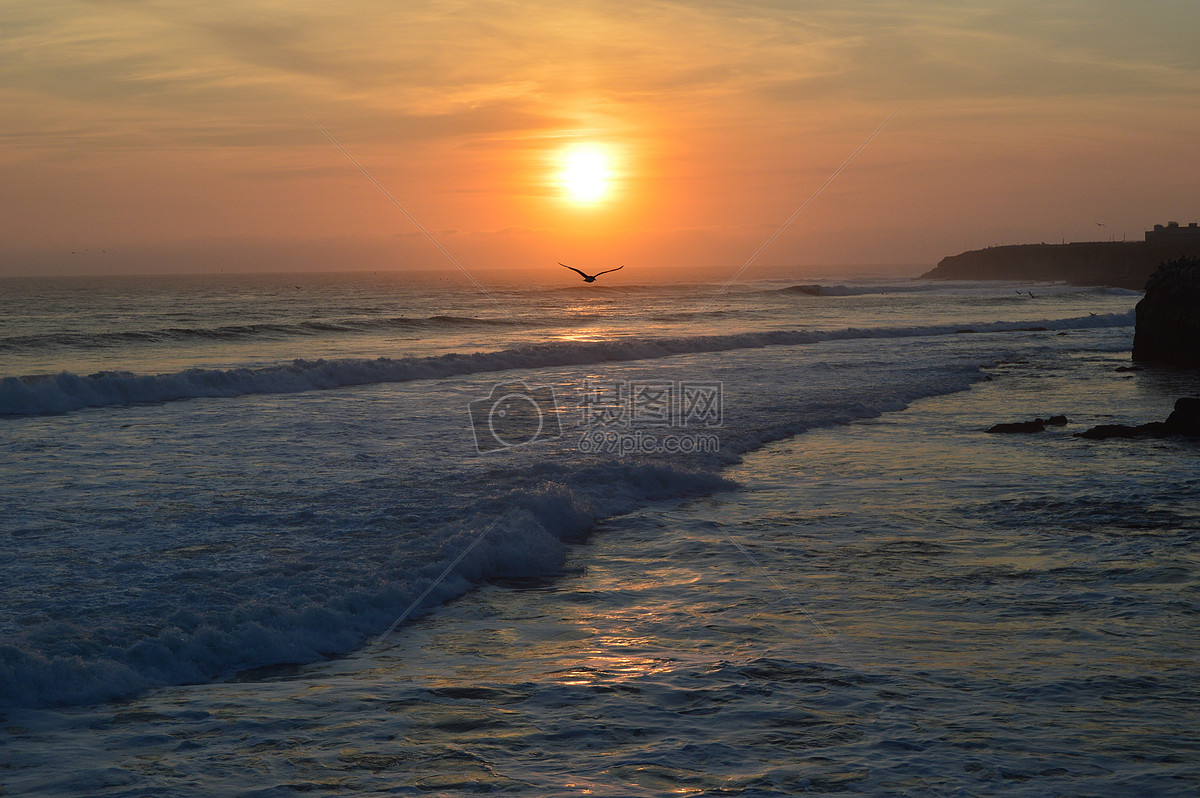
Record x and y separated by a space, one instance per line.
1168 317
1115 263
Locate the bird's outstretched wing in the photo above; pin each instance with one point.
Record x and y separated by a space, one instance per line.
610 270
572 268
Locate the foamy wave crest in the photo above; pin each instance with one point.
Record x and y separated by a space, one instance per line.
1109 290
816 289
293 610
232 332
61 393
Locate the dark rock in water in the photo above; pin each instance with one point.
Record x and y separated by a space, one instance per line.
1037 425
1155 429
1184 421
1168 318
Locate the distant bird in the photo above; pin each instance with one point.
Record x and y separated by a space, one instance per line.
1031 296
1101 224
589 278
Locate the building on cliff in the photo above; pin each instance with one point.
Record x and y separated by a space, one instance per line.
1126 264
1173 234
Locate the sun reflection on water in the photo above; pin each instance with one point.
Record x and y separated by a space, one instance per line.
612 659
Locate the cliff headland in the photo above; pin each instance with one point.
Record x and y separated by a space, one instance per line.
1168 316
1122 264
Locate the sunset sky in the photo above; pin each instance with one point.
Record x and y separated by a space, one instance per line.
157 136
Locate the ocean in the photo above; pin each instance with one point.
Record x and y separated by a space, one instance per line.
398 533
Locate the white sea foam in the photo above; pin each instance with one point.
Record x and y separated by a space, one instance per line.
238 620
230 332
64 392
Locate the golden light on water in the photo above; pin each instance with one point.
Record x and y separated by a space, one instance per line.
585 173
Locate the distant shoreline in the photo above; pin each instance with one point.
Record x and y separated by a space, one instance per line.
1120 264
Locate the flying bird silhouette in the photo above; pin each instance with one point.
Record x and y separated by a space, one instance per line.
589 278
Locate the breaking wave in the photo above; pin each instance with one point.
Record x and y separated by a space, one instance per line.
815 289
233 332
65 392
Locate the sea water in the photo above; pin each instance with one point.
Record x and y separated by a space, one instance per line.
281 534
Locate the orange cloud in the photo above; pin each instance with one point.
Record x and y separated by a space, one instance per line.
150 125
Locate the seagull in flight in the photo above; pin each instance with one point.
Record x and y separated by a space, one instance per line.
589 278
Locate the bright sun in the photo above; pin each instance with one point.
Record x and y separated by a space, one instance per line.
585 173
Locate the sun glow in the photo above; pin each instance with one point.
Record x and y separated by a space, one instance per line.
585 174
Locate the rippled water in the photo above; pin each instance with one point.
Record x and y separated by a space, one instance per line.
904 605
